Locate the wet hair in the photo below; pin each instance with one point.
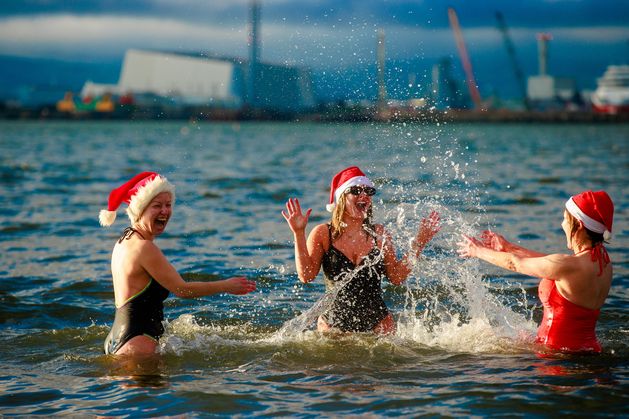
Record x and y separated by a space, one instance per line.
594 237
337 218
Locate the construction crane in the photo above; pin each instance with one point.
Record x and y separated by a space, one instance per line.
502 26
465 59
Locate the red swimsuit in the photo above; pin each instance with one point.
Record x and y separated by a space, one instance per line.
566 326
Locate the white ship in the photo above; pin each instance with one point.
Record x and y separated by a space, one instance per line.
612 93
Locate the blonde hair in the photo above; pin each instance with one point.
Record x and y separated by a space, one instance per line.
337 217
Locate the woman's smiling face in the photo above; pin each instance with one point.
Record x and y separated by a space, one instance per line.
156 215
357 205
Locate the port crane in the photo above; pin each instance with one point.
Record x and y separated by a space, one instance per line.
465 59
519 75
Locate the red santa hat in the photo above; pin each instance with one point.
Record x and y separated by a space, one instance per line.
138 192
594 209
346 178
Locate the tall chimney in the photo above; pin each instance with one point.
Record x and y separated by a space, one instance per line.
436 84
382 91
542 45
254 52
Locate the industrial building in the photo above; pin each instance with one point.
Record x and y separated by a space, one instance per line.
188 80
197 80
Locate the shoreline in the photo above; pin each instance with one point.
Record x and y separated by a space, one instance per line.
337 114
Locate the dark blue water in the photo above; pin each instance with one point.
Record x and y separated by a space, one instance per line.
464 343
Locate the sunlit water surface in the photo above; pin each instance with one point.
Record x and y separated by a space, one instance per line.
464 344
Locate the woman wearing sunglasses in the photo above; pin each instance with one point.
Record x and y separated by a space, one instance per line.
355 255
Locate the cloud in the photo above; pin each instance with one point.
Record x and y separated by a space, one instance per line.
592 34
102 35
345 43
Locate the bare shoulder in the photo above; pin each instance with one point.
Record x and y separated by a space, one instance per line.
139 249
562 264
148 247
319 237
319 233
559 258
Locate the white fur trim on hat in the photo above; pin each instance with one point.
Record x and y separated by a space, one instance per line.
589 222
145 195
355 181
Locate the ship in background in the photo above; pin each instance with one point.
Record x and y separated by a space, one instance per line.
612 93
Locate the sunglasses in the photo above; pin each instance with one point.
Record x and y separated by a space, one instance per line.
357 190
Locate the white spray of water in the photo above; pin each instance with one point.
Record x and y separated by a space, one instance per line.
447 304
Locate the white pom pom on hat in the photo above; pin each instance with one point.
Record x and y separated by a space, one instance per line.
106 217
137 192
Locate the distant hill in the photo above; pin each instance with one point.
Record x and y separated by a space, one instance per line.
34 81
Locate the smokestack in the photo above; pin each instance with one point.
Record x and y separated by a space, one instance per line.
382 91
542 45
254 51
436 84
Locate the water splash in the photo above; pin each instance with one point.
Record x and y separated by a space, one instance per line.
446 303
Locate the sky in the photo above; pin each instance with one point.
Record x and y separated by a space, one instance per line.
587 35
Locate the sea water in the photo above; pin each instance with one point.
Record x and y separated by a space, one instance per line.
464 342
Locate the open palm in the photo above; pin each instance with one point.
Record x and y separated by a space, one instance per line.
293 215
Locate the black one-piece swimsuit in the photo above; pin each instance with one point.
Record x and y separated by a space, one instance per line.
358 305
140 315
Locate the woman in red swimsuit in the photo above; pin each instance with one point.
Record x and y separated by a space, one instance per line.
573 287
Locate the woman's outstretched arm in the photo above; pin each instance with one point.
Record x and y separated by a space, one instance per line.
499 243
158 267
554 266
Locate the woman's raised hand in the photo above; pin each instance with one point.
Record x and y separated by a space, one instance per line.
296 220
428 228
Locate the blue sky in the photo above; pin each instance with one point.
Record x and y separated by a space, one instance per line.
323 34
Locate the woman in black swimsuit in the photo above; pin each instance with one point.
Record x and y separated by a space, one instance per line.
354 253
142 276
